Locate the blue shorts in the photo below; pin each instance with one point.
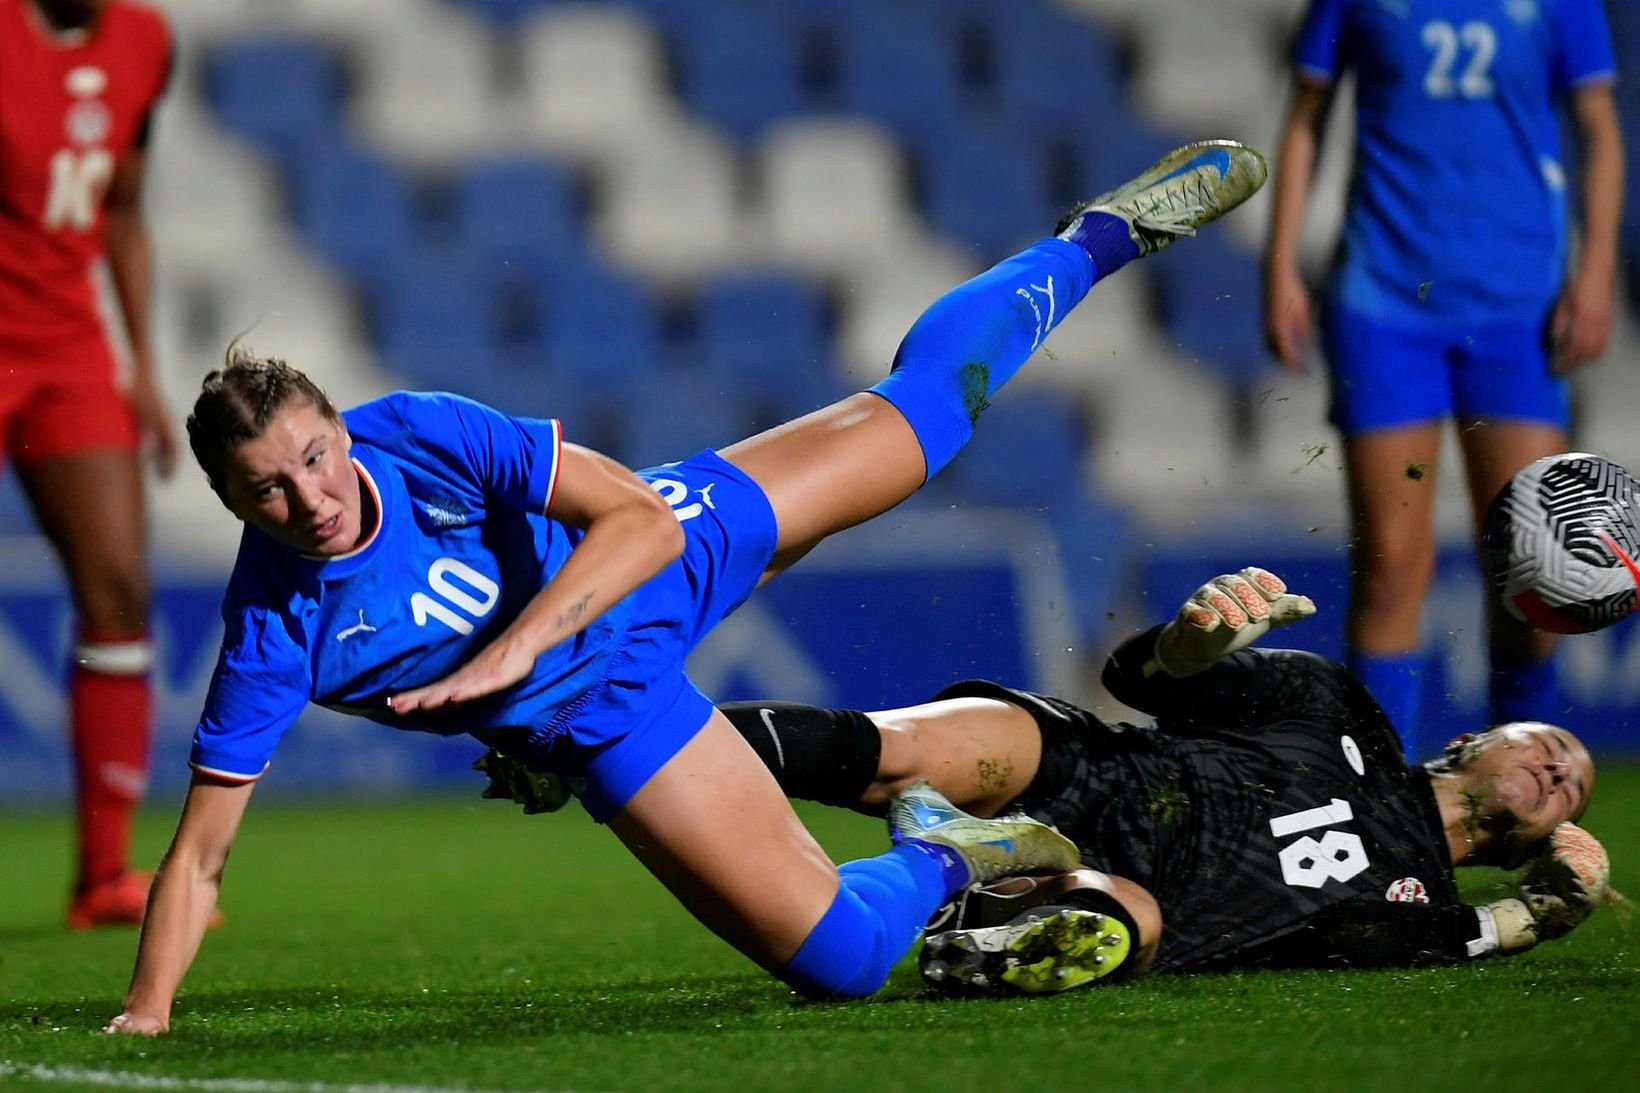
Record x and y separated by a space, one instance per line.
622 730
1384 375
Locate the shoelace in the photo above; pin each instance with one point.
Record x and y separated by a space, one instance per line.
952 913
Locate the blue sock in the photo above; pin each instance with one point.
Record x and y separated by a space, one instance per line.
1524 689
1106 239
974 338
1396 680
879 908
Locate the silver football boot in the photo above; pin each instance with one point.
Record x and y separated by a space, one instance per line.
1185 189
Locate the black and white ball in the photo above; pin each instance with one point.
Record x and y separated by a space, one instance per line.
1560 543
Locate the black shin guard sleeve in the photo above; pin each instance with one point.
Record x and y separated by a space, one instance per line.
816 754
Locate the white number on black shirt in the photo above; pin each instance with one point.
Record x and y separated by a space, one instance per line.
1310 862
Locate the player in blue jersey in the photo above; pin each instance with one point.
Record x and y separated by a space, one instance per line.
1450 295
436 565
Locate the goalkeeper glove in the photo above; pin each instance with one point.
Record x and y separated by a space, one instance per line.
1228 613
1560 888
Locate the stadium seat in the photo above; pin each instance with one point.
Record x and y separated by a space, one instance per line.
518 210
355 208
1027 450
1051 75
598 326
985 187
594 83
899 67
740 66
435 320
506 12
766 333
672 213
283 92
835 194
194 164
1211 307
426 91
1211 75
677 419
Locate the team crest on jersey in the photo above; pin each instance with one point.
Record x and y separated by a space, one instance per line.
85 82
446 512
1407 890
87 122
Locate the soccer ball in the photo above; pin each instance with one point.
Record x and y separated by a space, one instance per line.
1560 543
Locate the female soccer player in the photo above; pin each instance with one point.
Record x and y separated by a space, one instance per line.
79 80
435 565
1450 296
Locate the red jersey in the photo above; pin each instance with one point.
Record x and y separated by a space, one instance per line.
72 106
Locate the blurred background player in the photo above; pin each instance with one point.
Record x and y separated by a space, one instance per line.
1268 817
79 80
1449 296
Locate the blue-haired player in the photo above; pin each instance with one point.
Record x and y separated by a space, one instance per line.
1451 294
432 564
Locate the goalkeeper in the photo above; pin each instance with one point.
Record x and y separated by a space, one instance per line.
1269 816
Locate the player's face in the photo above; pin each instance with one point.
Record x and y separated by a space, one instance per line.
296 483
1538 774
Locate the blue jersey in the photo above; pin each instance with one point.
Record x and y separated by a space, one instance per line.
462 544
1457 204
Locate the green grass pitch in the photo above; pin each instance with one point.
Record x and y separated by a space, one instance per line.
453 944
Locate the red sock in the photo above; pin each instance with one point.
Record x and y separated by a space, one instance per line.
110 723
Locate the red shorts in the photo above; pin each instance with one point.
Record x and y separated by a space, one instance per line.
61 397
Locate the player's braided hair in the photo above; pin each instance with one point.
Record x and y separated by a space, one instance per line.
238 400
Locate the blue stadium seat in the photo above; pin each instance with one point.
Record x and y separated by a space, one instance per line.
985 186
16 517
900 68
434 318
522 210
506 12
741 66
598 326
1209 292
1051 74
355 208
673 421
1026 451
1095 550
281 91
766 335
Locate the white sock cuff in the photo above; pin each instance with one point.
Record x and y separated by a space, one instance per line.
115 658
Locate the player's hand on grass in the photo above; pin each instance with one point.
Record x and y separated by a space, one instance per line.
1559 890
1228 613
499 665
136 1024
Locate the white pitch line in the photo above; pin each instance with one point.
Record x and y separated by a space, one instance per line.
130 1080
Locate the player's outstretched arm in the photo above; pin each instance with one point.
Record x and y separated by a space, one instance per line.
1226 614
631 535
181 901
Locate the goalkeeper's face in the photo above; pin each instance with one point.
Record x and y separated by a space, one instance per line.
1528 777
